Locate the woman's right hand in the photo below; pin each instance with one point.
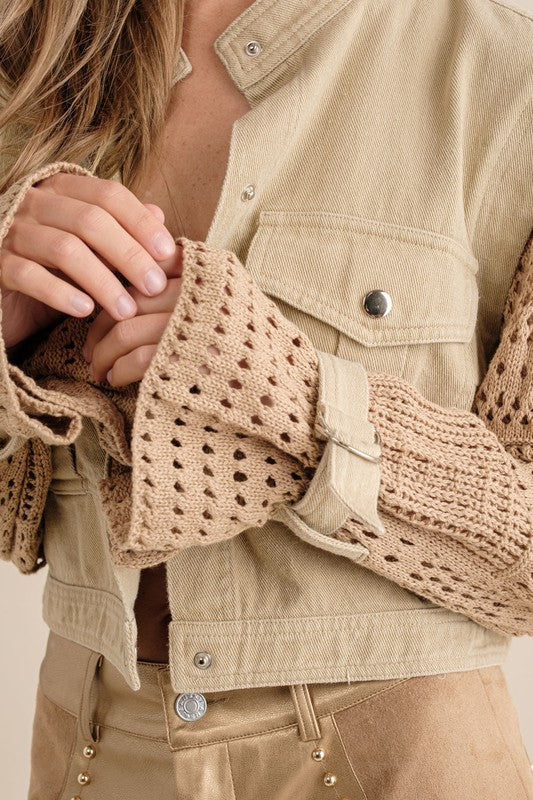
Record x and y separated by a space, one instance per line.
68 237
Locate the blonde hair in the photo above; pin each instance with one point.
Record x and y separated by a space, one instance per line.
85 81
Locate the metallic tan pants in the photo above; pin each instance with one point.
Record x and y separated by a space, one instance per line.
441 737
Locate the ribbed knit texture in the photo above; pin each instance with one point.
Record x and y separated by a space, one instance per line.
221 429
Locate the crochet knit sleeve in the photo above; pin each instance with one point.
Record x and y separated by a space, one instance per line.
226 432
28 410
31 419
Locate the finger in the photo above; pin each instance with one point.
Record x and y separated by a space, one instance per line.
32 279
156 211
122 204
124 337
99 327
59 249
99 229
166 301
131 367
173 266
102 324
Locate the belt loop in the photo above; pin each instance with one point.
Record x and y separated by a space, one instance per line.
89 732
303 705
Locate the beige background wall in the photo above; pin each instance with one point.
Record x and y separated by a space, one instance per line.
23 637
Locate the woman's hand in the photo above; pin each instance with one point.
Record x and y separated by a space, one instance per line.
68 237
122 351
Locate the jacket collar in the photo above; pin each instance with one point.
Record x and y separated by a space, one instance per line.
277 27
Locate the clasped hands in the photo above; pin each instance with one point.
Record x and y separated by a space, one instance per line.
70 233
121 351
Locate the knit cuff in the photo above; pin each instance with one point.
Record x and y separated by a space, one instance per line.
26 409
456 507
224 422
25 475
445 471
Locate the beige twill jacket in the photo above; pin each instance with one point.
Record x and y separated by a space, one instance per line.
354 190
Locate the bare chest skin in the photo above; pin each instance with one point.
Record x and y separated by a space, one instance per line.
184 177
188 162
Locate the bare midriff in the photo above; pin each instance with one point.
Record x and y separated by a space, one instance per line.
184 177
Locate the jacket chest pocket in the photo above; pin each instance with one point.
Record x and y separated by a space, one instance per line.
396 299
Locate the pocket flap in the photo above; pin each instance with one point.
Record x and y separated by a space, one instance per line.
326 264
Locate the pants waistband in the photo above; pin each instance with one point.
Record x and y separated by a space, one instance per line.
90 687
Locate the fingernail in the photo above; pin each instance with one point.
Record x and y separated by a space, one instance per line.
126 305
80 303
108 376
155 280
163 244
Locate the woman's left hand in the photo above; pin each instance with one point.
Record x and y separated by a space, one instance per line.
123 350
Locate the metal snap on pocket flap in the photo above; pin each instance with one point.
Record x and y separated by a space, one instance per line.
378 283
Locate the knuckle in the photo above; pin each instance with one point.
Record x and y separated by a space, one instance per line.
134 254
64 245
146 220
23 274
92 218
124 332
109 190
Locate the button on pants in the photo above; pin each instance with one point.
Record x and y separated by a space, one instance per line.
442 737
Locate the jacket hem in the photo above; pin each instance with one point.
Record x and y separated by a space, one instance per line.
248 653
93 618
372 646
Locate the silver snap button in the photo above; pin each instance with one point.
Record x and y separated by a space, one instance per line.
190 706
248 192
377 303
202 660
252 48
